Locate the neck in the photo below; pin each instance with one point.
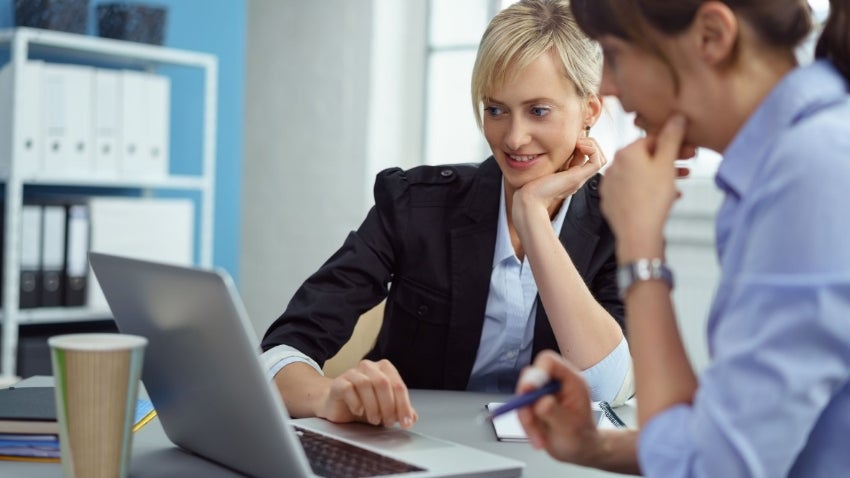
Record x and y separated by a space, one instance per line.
745 86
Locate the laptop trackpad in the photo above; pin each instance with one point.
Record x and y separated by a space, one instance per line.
390 439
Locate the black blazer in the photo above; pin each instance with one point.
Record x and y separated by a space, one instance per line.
432 234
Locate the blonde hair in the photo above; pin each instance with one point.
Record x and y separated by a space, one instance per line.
522 32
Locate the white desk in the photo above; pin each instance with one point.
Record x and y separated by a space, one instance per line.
447 415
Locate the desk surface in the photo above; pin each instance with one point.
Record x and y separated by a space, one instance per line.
155 456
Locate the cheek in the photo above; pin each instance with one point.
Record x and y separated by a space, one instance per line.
491 132
563 137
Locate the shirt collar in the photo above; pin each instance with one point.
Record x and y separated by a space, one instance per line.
793 97
504 248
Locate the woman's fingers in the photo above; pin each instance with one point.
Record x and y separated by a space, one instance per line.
671 138
374 392
399 409
561 422
589 148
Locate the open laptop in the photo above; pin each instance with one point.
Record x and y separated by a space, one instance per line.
203 375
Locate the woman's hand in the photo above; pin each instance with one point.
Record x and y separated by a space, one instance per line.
551 189
371 392
639 189
562 424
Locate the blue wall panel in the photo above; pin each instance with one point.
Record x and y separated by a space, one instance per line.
215 27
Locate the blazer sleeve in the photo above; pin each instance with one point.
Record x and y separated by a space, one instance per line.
322 314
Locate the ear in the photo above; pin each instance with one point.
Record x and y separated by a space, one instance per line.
715 29
592 110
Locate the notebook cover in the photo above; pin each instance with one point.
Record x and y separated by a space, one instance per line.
28 410
33 410
28 403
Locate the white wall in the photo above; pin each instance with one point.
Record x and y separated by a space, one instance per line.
691 254
315 83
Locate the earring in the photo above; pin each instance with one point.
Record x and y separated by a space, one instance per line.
587 130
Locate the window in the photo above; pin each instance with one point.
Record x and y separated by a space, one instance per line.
454 30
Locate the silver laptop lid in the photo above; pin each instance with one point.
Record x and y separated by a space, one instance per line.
203 374
208 408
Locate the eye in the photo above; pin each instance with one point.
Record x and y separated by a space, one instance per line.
540 111
493 111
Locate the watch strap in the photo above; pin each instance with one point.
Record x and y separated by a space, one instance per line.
643 270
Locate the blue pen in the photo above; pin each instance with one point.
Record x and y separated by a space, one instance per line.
525 399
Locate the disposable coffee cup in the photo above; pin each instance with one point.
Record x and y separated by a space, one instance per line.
97 384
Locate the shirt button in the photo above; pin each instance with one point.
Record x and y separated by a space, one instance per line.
446 173
422 310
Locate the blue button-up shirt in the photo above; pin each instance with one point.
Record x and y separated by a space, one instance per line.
508 332
775 400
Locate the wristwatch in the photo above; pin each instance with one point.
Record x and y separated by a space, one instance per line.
642 270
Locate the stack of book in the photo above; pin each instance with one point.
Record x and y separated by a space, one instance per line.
28 427
29 430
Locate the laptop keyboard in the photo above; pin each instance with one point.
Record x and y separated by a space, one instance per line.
333 458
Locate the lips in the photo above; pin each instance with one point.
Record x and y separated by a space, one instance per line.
521 161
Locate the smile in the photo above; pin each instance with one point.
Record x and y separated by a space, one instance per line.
522 159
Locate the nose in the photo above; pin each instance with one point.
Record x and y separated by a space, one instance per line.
608 87
517 134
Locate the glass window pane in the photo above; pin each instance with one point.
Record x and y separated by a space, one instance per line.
457 22
452 135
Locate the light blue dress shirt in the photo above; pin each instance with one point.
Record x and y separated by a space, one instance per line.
508 332
775 400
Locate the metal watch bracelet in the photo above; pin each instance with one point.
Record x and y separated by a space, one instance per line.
643 270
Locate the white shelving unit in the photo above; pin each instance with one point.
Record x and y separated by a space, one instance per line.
26 43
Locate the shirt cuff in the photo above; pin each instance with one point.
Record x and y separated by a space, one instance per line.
611 379
664 445
275 358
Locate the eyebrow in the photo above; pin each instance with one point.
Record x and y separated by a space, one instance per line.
532 101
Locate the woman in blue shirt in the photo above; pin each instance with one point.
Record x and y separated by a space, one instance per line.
775 399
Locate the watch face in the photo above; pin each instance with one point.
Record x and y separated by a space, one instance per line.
641 270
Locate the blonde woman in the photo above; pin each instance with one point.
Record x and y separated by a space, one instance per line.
461 246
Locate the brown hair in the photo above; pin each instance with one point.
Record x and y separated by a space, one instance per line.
834 42
781 23
522 32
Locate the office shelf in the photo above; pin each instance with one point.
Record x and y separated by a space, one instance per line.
28 43
57 315
174 182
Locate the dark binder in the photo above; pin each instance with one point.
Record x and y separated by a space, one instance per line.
76 254
30 280
53 255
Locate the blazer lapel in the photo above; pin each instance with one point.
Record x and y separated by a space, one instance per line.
579 234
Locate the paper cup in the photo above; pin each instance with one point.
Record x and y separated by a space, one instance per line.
97 384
